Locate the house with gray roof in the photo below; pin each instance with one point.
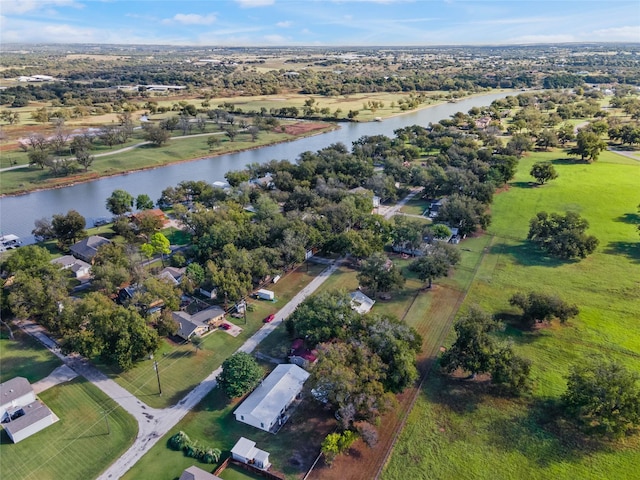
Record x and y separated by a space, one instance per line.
199 323
195 473
86 249
80 268
266 407
22 415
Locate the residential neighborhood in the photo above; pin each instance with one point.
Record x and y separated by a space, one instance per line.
249 242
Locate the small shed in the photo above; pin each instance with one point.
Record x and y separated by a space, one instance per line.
360 302
245 451
264 294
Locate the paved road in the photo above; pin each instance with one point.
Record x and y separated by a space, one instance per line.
391 211
154 423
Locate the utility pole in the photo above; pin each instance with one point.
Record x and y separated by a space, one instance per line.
155 367
106 419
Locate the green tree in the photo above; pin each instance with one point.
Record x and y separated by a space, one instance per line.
38 157
322 317
589 145
120 202
379 274
604 397
547 138
436 263
213 142
562 236
474 347
337 443
68 229
144 202
240 374
156 135
541 307
158 245
543 172
464 213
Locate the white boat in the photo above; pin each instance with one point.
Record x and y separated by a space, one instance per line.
9 241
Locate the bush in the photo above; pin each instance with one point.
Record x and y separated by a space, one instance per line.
179 441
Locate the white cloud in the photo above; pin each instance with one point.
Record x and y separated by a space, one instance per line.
529 39
284 24
191 19
255 3
275 39
17 7
619 34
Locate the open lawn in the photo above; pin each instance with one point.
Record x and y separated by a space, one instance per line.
92 432
182 368
460 430
25 357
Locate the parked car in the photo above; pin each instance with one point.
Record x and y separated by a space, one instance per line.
269 318
225 326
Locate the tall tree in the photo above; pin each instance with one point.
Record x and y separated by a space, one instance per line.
69 228
436 263
604 397
379 274
562 235
543 172
120 202
240 374
589 145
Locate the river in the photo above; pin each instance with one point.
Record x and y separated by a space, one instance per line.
18 213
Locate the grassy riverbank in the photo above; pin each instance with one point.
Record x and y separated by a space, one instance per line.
144 157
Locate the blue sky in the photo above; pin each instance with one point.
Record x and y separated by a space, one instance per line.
319 22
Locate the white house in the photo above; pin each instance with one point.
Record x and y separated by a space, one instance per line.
15 393
80 268
245 451
21 413
266 407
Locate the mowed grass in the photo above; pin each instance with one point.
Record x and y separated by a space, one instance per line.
457 430
211 423
181 367
78 446
25 357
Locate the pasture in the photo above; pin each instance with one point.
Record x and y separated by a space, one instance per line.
459 429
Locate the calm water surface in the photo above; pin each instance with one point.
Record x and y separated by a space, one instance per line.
18 214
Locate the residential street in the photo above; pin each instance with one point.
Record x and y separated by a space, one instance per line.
154 423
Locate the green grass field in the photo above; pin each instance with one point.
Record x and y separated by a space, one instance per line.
25 357
460 431
91 433
182 368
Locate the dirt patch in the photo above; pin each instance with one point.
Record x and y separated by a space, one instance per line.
302 128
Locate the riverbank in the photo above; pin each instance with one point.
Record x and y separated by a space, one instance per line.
14 180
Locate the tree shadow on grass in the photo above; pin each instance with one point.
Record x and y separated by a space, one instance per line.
523 184
632 218
459 394
529 255
542 435
569 161
630 250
